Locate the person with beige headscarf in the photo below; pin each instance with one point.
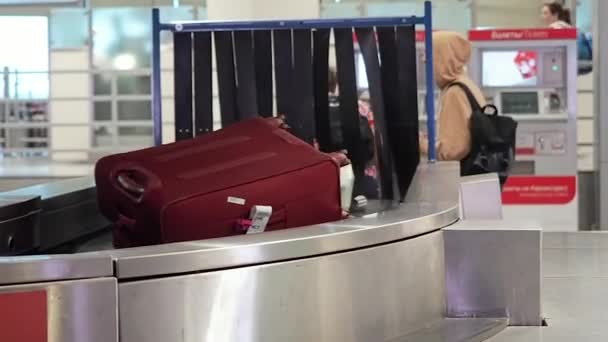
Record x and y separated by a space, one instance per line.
451 54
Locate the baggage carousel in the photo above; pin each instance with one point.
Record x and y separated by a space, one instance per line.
379 276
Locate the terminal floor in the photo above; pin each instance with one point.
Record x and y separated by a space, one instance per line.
575 291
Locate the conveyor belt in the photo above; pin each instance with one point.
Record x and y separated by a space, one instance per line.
70 222
67 212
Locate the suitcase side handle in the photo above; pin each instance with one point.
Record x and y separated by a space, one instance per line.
130 186
340 157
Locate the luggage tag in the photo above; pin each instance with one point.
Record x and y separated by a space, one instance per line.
259 216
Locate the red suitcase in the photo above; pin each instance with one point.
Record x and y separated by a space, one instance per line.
198 188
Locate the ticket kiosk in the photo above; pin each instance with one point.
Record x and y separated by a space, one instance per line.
531 75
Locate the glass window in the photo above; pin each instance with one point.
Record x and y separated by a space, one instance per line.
103 136
135 136
385 9
201 13
102 84
69 28
343 9
134 130
3 138
4 110
506 14
3 77
451 15
39 2
102 111
443 12
134 110
584 15
28 42
29 86
169 14
21 138
133 84
121 37
21 58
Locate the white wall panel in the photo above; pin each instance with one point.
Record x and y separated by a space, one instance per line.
70 60
585 132
70 137
70 86
70 111
166 56
167 83
586 160
168 110
70 157
585 105
168 133
585 123
585 82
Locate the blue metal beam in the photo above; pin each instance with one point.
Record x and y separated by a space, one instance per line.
198 26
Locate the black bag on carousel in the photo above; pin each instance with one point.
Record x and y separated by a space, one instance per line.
492 140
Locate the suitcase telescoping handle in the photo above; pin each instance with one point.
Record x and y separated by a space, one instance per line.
130 186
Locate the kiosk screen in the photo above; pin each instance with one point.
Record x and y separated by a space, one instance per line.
509 68
519 102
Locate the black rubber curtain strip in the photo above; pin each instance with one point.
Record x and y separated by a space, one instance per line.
203 95
390 88
400 96
182 59
403 127
245 75
224 55
263 71
282 69
369 50
301 118
349 108
321 90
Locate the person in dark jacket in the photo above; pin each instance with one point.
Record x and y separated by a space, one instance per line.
365 174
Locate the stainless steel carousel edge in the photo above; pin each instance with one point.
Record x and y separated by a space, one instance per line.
375 294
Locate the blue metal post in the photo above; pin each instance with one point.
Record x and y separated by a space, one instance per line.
156 90
430 80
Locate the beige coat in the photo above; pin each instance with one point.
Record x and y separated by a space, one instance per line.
451 54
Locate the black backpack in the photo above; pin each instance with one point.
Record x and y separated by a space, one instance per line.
492 140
